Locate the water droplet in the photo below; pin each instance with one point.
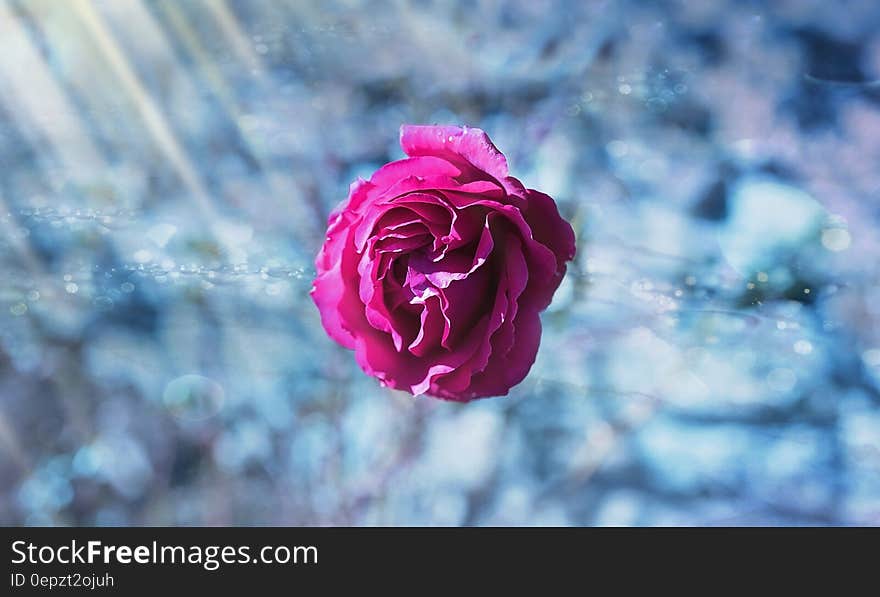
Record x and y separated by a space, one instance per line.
871 357
656 104
18 309
103 303
782 379
193 397
126 287
617 148
71 288
836 239
142 256
803 347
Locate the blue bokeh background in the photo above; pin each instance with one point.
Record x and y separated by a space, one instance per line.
166 170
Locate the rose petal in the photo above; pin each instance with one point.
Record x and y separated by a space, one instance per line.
470 144
424 165
337 302
507 371
430 329
549 228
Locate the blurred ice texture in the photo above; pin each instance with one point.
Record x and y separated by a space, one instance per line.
167 167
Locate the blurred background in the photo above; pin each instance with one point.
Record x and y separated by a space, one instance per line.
166 170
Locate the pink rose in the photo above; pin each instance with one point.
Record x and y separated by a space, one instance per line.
435 270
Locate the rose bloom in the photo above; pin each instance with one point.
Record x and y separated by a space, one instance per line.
435 270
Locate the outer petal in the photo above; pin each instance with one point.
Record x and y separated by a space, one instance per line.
333 290
506 371
468 144
426 165
548 227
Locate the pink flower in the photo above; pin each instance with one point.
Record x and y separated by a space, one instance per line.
435 270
